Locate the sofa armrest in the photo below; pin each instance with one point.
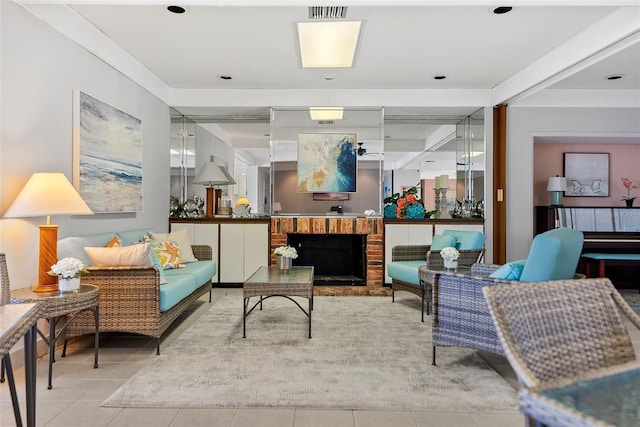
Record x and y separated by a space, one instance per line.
125 289
202 252
409 252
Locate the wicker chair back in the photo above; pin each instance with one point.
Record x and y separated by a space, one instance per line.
5 297
562 328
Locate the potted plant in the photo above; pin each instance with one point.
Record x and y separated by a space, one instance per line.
285 256
628 184
450 256
68 270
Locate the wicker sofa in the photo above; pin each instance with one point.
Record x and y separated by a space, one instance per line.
131 297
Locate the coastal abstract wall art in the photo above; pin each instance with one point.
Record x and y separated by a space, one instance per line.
327 162
107 151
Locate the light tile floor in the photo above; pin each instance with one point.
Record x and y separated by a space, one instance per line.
78 390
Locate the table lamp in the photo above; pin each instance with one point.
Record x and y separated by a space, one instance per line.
47 194
211 174
242 208
277 207
557 185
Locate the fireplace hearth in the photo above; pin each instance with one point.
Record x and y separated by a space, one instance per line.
338 259
370 229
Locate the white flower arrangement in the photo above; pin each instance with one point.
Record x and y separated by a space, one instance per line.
67 268
369 212
449 253
286 251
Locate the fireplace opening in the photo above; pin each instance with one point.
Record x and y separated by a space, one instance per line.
338 259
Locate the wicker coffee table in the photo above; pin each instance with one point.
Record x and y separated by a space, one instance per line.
269 282
57 305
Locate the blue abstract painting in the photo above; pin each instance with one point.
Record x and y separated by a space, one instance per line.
327 162
108 152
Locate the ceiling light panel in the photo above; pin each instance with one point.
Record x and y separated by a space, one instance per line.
328 44
326 113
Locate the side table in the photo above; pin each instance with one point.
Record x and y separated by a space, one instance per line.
56 304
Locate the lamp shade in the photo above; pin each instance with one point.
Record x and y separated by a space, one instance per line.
226 173
277 206
211 174
242 201
557 183
47 194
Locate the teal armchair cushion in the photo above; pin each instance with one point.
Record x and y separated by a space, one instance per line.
440 242
554 255
467 239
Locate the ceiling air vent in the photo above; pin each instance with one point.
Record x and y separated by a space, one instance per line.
327 12
325 122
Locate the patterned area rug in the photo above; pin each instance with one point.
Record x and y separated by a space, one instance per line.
366 353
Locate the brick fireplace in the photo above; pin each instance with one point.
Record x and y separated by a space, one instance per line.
372 228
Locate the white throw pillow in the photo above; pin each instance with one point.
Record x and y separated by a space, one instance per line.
138 255
181 237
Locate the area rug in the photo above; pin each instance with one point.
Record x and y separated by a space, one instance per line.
366 353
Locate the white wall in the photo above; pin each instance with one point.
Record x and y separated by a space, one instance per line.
40 68
523 124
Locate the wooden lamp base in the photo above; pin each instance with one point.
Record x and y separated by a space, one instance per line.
47 257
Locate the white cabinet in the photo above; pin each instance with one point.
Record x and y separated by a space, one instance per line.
404 234
243 248
202 234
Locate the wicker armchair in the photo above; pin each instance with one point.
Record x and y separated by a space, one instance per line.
461 315
577 333
428 258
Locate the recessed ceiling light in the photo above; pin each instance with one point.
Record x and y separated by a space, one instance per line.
502 10
439 77
226 77
614 77
176 9
328 77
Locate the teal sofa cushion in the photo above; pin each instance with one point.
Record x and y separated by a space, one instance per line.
133 236
509 271
202 271
406 271
441 241
182 281
466 239
554 255
177 288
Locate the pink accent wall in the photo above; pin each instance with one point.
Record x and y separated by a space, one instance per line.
624 161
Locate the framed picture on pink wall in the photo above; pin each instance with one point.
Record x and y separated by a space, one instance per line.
587 174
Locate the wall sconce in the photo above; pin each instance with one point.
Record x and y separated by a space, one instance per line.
557 185
47 194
